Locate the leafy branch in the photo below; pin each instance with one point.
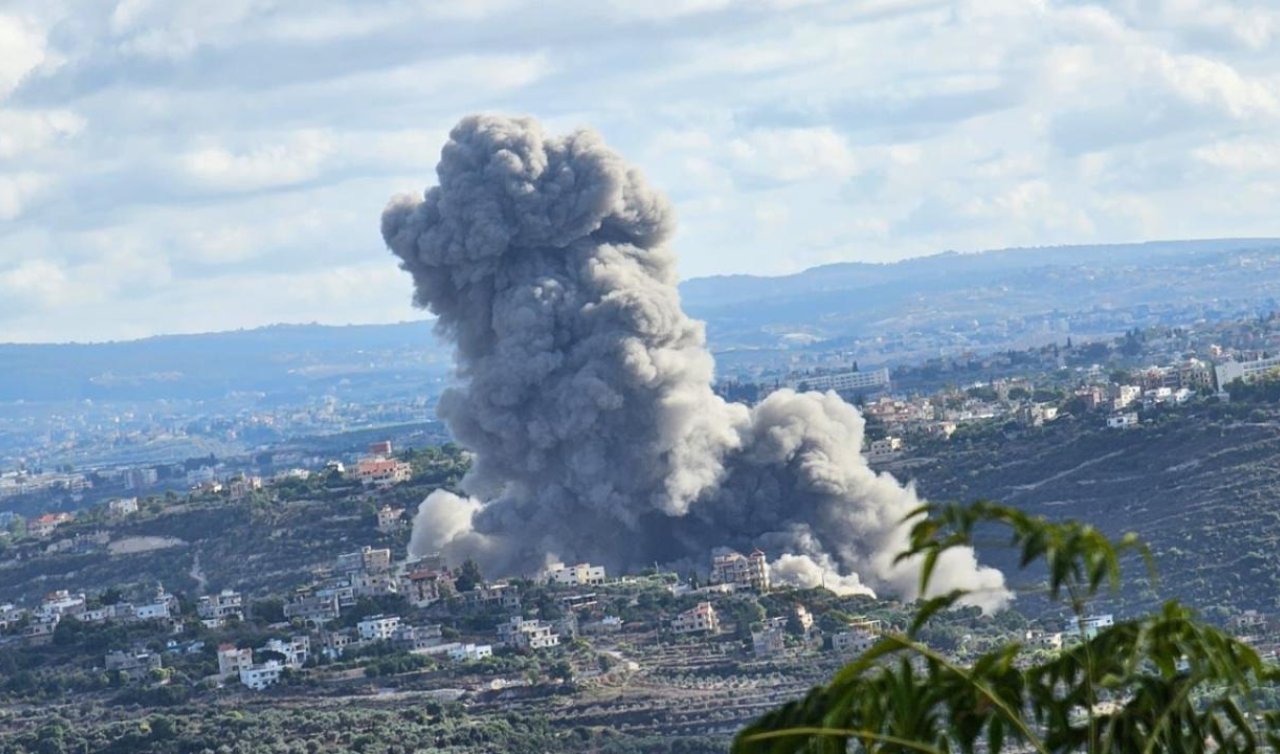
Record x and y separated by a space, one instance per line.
1164 682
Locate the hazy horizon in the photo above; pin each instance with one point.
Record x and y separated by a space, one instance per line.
427 319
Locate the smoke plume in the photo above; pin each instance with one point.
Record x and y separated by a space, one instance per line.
585 391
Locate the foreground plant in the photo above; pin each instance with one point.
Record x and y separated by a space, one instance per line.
1164 683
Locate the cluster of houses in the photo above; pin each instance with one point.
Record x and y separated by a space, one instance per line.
22 482
370 572
40 623
942 413
258 669
733 571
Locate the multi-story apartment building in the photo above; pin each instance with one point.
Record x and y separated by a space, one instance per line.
316 610
215 609
527 634
701 618
743 571
582 574
378 627
1245 371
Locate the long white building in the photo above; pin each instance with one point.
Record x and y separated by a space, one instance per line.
1245 371
581 574
873 380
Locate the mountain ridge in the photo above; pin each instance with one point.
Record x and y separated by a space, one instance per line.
986 300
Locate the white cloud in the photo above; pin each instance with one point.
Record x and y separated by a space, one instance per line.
1241 156
25 132
1205 82
158 159
34 282
20 190
299 158
793 154
22 49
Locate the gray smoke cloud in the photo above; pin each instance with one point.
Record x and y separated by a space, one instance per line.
585 391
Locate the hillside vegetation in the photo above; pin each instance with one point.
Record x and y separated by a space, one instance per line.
267 542
1201 486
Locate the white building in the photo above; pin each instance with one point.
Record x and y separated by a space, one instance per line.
153 611
295 651
231 660
367 559
768 641
582 574
1123 421
424 586
389 518
496 593
162 606
133 664
1245 371
1125 395
59 604
1044 639
885 449
418 638
10 615
527 634
373 583
1090 624
378 627
874 380
201 476
243 486
219 607
136 479
805 619
744 571
470 652
852 642
382 472
45 525
259 677
316 610
123 507
609 624
858 638
701 618
335 643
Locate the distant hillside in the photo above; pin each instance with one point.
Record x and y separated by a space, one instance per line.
283 360
975 299
268 543
964 291
941 270
1201 486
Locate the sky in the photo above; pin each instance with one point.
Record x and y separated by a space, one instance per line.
217 164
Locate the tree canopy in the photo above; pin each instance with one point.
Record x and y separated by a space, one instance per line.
1165 682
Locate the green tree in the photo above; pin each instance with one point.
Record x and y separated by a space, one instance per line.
746 614
469 576
1166 682
268 610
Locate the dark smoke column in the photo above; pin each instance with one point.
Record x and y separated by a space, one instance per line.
585 391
